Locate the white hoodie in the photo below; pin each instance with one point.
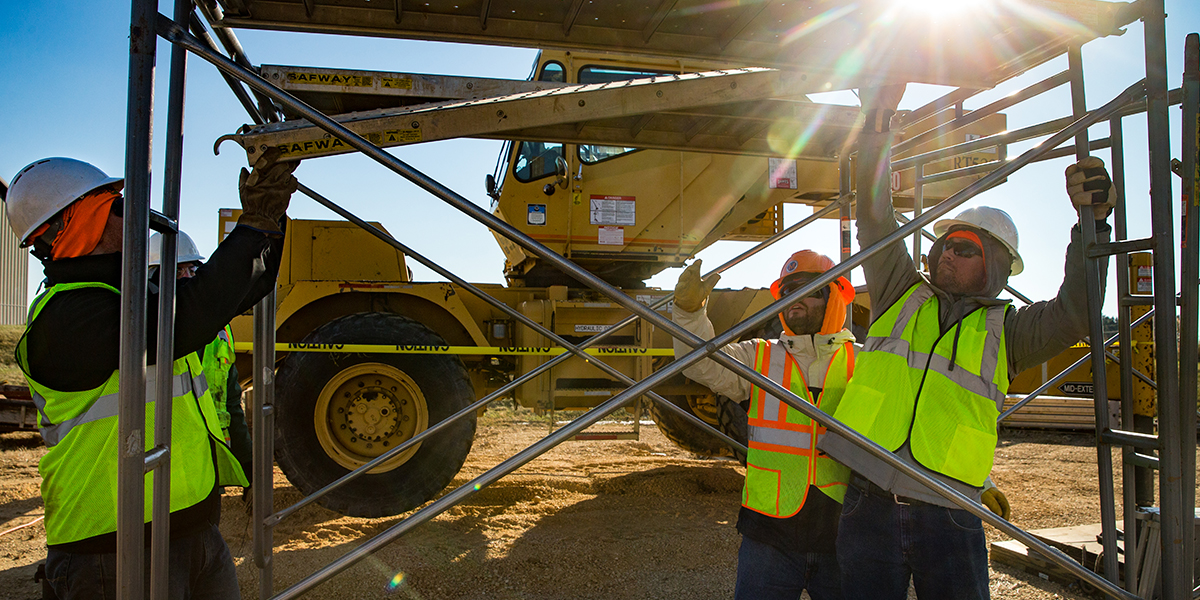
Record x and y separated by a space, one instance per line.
812 354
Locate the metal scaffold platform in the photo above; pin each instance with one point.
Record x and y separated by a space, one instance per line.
743 72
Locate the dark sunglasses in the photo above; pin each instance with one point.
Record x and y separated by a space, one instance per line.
961 248
117 209
791 286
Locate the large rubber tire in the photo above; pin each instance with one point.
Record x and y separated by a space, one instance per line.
724 414
336 411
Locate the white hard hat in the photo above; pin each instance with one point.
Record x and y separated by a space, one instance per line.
42 189
992 220
185 250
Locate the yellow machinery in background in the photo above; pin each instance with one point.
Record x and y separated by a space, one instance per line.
624 211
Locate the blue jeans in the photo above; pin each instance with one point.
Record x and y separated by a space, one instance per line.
200 568
765 572
881 544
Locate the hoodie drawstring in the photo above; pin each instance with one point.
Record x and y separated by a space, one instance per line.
958 308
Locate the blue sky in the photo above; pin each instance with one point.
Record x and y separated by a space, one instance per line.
66 67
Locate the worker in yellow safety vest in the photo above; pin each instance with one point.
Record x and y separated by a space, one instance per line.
793 493
933 375
71 215
217 357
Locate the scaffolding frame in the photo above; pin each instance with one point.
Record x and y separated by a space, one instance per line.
1176 407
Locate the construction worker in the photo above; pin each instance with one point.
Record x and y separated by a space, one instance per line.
217 357
70 214
933 375
793 494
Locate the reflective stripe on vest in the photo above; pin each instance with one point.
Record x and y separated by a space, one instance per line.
907 389
782 440
106 406
79 471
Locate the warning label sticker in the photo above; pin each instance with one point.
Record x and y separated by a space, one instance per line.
331 79
394 136
611 236
613 210
781 173
396 83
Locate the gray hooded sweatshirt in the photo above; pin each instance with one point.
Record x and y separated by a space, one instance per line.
1032 333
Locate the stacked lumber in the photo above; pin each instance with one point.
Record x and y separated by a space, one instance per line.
1058 412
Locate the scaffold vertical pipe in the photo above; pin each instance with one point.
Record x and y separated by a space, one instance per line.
164 357
918 206
264 441
1087 225
1176 566
1129 476
131 412
845 194
1189 278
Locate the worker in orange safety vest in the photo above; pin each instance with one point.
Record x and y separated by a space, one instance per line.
792 497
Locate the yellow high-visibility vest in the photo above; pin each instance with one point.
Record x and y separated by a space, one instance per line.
908 388
79 471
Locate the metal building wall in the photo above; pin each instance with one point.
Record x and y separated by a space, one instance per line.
14 272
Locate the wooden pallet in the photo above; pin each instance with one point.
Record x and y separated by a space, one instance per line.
1079 542
1082 543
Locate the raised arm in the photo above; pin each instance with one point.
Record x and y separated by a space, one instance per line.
1037 332
890 272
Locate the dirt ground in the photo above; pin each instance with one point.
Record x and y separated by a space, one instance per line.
613 520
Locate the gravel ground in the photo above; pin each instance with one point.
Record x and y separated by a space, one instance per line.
613 520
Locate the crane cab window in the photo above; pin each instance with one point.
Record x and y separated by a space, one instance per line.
553 71
536 159
591 154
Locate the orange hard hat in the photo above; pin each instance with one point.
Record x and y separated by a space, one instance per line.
808 261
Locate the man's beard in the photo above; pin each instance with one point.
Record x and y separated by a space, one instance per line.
808 323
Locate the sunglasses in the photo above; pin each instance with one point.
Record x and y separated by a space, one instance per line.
791 286
961 248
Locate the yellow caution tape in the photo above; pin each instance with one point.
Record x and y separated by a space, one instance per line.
462 350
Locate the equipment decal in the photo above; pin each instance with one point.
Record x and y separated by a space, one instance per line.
331 79
314 147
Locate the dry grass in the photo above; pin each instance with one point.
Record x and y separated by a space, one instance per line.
9 372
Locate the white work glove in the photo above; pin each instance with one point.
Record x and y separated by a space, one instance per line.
1089 185
879 104
691 292
995 500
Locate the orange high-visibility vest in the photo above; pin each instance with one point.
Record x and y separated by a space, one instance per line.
780 464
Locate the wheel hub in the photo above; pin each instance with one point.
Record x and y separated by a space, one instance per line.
366 410
705 407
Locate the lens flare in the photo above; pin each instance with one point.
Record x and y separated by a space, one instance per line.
395 582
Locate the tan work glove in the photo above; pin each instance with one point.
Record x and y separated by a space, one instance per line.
1088 184
266 191
691 291
995 500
